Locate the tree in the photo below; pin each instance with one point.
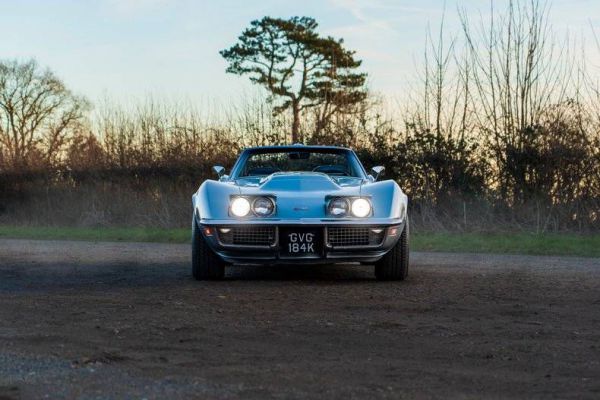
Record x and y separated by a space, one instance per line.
299 67
520 73
36 113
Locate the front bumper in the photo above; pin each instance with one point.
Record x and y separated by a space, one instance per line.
329 250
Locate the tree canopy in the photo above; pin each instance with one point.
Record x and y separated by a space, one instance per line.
298 67
36 113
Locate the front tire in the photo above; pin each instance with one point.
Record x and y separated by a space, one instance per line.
394 265
205 263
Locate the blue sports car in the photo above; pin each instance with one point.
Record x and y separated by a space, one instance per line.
299 204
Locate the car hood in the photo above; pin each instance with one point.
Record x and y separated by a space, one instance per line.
299 181
299 195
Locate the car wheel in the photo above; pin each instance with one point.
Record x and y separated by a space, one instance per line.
394 265
205 263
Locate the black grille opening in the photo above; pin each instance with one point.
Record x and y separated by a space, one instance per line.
355 236
248 235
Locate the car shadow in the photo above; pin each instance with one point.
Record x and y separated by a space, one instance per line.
103 276
329 272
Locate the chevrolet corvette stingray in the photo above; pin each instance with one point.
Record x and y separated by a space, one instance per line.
296 205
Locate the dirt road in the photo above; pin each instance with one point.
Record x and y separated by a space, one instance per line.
125 320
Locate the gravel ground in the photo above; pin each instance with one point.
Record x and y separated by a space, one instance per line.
125 320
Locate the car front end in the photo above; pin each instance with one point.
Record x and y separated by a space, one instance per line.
297 205
312 242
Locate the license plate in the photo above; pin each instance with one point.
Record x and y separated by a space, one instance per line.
300 242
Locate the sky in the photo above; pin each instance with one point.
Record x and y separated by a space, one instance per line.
127 49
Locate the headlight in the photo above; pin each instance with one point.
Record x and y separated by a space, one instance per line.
338 207
263 206
240 207
361 208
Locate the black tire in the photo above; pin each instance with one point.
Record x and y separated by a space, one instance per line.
205 263
394 265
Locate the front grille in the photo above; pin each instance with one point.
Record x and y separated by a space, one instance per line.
355 236
248 235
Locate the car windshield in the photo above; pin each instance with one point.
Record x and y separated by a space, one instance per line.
334 163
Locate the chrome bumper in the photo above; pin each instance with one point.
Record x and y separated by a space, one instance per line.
272 253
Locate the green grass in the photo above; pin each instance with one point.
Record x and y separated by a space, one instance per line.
516 243
519 243
97 234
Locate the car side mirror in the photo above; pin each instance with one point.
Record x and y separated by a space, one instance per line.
377 171
219 170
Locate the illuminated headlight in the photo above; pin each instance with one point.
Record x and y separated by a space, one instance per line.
361 208
240 206
263 206
338 207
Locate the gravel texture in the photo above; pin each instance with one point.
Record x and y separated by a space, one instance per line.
125 320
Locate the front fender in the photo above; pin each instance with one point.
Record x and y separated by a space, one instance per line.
211 200
389 201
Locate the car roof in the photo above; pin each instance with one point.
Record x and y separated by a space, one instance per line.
295 147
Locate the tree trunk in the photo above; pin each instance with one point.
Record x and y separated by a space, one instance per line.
296 122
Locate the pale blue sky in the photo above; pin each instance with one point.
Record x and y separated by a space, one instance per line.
128 48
